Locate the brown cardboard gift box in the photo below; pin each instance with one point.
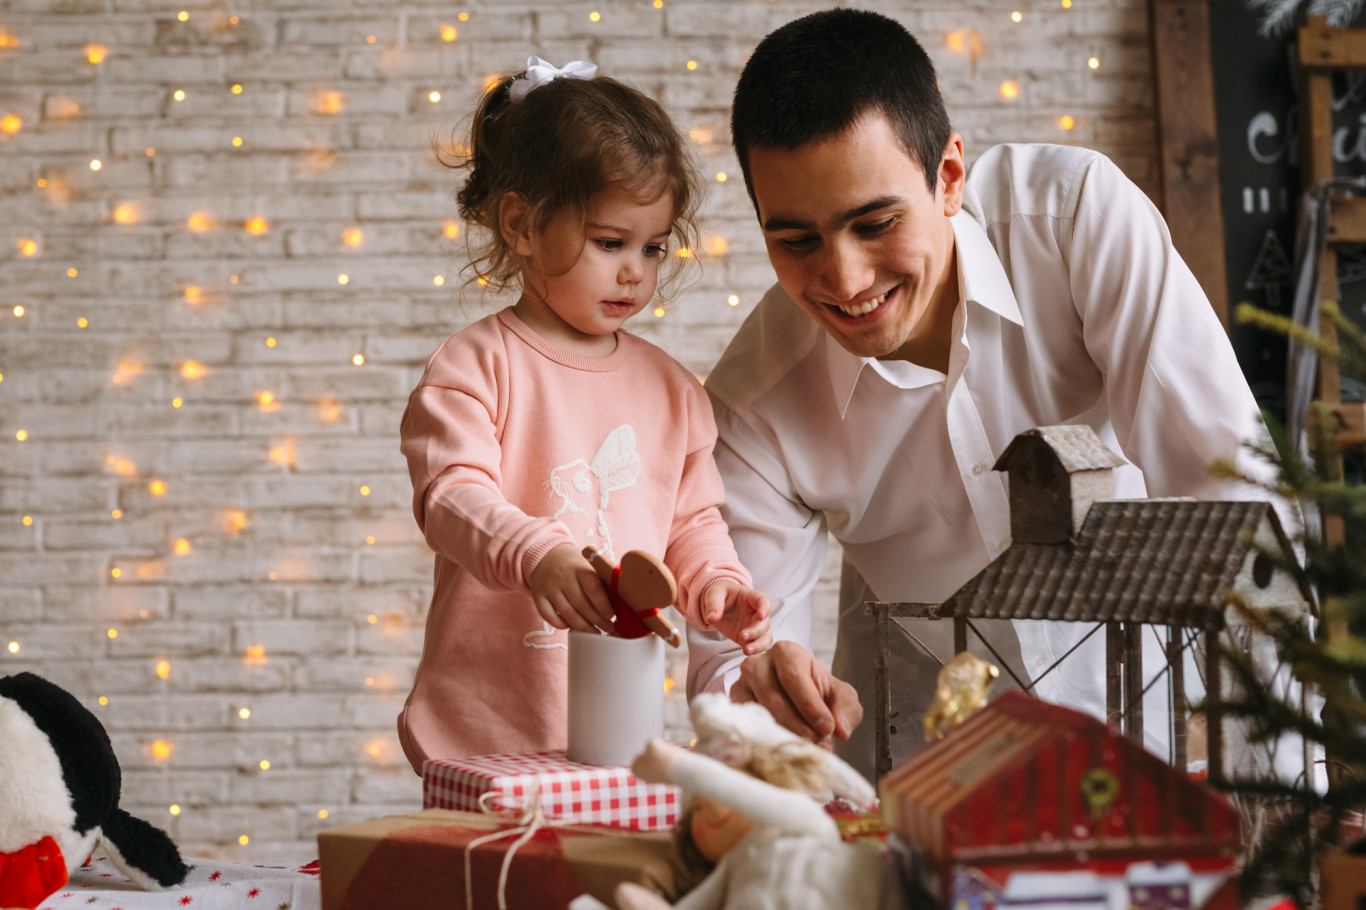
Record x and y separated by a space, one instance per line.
417 861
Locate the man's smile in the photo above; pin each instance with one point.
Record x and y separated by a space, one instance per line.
866 307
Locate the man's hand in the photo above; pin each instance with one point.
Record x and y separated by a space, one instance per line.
799 692
739 613
568 593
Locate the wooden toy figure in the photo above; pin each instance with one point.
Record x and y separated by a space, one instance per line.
639 588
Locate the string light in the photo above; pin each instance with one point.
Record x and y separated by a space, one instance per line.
28 247
283 454
1009 89
595 16
179 94
372 619
265 765
328 102
163 670
370 540
11 123
343 279
19 310
28 521
151 151
21 435
182 547
244 840
1066 4
433 97
199 222
322 813
722 177
438 280
112 633
369 39
174 809
365 491
1016 16
116 514
659 312
13 647
83 322
256 226
258 652
157 488
72 273
718 246
352 236
193 294
234 521
94 53
162 749
116 572
192 370
237 142
183 16
733 300
1094 63
659 4
452 229
125 214
692 64
237 88
464 17
270 342
244 713
358 360
1066 122
103 701
449 33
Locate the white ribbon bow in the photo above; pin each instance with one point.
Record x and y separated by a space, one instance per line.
539 72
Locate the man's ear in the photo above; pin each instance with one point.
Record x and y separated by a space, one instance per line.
952 174
514 223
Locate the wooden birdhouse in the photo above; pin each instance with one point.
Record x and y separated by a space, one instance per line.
1030 804
1078 556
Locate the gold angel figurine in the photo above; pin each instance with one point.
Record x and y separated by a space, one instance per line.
963 686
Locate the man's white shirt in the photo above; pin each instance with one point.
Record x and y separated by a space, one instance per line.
1074 308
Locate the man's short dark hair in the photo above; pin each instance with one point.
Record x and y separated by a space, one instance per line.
815 76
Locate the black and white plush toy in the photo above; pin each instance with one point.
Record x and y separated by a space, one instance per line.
59 795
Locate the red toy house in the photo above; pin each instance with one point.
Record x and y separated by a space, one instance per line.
1030 804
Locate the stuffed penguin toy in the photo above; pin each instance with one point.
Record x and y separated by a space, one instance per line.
59 795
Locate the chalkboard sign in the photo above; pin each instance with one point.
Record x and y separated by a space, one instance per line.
1257 107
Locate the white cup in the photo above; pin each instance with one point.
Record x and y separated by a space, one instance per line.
616 696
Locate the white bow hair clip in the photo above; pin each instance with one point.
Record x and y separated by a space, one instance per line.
539 72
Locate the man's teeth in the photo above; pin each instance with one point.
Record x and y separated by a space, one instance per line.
866 307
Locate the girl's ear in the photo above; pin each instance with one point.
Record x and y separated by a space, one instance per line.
514 223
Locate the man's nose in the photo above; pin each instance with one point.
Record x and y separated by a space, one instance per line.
845 272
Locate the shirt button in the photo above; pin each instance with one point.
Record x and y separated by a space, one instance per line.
1004 545
977 469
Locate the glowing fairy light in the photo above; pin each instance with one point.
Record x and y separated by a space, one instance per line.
157 488
372 619
659 4
718 246
256 226
11 123
83 323
116 572
116 514
273 575
21 435
266 401
683 252
733 300
199 222
103 701
322 813
451 229
162 749
595 16
192 370
327 102
125 214
358 360
1009 89
257 652
244 713
28 521
449 33
369 681
13 647
179 94
659 312
244 840
173 809
18 310
370 541
234 521
28 247
112 633
94 53
237 142
364 490
352 236
193 294
1094 63
668 684
96 164
183 16
1066 122
722 177
163 669
692 64
270 342
464 17
1066 4
329 410
72 272
181 547
237 88
433 97
343 278
369 39
1016 16
438 280
264 765
151 152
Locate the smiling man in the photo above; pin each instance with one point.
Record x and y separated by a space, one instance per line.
923 317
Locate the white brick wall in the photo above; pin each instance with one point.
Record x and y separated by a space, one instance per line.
267 497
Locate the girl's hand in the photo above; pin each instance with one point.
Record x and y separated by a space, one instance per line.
568 593
739 613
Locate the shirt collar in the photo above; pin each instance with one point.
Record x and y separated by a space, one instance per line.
984 283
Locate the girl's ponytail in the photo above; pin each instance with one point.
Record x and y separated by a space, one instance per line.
483 158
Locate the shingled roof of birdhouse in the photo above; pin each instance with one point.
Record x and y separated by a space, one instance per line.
1076 445
1158 561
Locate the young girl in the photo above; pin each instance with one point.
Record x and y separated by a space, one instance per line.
546 427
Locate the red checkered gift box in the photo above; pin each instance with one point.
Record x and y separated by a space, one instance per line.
569 791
